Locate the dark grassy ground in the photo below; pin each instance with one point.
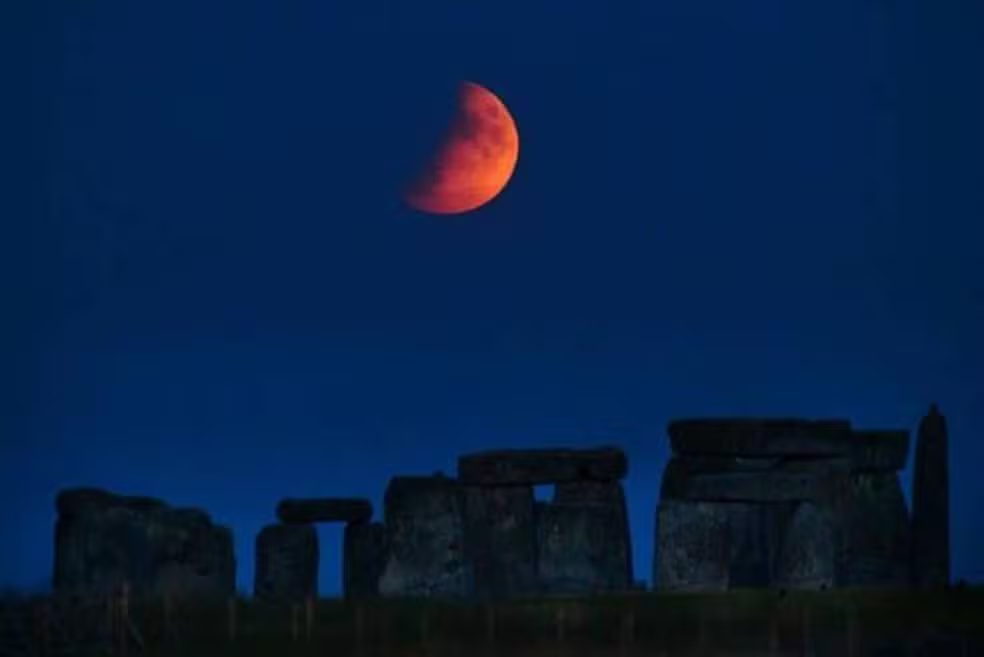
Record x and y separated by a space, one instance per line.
842 623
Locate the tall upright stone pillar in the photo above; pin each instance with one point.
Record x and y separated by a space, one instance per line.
930 562
286 563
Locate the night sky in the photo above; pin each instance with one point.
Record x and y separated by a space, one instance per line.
214 294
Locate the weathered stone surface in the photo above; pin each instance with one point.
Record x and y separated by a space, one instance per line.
733 480
761 437
874 541
808 551
577 549
930 565
500 540
425 538
883 451
754 535
610 495
692 546
363 559
286 563
324 509
542 466
103 539
716 546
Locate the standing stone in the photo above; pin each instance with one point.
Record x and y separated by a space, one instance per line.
808 551
875 532
500 540
608 495
753 533
692 546
286 563
363 559
103 539
930 566
425 538
574 555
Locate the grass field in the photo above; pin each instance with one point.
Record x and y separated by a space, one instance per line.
841 623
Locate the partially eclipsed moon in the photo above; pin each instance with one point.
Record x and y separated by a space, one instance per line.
476 158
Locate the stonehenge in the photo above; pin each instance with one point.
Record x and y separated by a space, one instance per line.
781 502
743 503
287 552
103 539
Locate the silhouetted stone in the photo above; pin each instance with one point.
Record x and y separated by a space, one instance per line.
424 538
753 480
500 540
761 437
930 566
882 451
286 563
103 539
754 534
808 550
363 559
692 546
578 550
610 495
324 509
542 466
716 546
874 543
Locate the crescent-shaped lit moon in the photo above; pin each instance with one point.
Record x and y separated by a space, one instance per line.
476 158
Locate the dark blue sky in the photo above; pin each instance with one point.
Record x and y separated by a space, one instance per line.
215 295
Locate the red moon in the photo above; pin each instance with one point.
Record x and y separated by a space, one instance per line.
476 158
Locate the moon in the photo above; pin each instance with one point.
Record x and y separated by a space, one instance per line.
475 160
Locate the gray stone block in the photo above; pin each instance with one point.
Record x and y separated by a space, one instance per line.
286 563
103 539
500 540
808 551
542 466
581 549
766 437
363 559
692 551
424 519
324 509
875 532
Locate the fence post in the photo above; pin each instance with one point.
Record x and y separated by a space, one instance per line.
231 615
295 613
168 631
360 627
424 626
490 624
807 630
628 629
41 629
308 617
774 633
111 616
124 617
560 618
852 632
